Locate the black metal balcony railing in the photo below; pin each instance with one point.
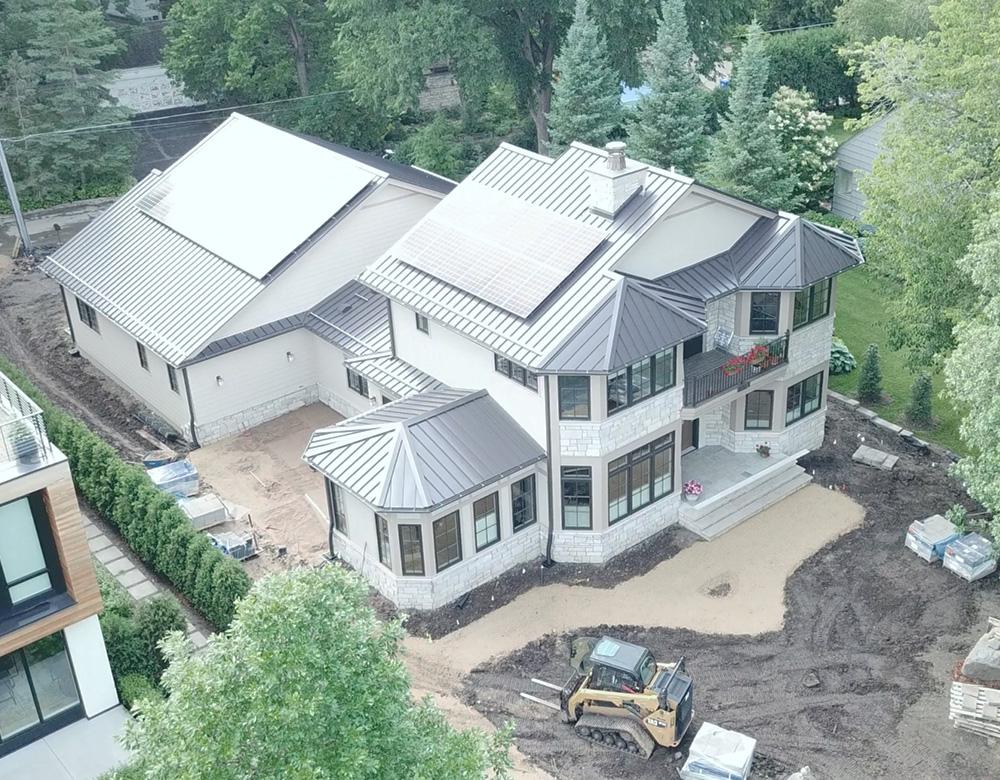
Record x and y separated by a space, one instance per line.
709 374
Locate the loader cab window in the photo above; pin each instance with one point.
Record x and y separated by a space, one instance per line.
647 669
607 678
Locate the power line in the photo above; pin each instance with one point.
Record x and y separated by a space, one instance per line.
800 27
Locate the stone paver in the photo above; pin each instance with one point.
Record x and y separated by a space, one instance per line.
197 639
118 566
91 530
99 543
131 577
869 456
143 589
108 554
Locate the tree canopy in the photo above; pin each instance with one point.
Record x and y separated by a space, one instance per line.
810 151
811 60
864 21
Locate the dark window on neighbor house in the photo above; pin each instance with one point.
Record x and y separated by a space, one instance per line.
574 398
640 477
522 502
486 521
382 539
447 541
804 398
642 380
357 383
411 550
87 315
812 304
576 497
29 563
764 309
143 357
335 503
422 324
172 378
515 371
758 411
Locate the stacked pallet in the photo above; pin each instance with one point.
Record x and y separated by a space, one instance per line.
975 688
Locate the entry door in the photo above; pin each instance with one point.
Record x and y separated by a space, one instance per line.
689 436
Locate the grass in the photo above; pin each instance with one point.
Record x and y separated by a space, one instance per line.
859 303
837 130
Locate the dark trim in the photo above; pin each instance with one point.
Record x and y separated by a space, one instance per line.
190 400
559 381
746 410
43 729
802 382
667 443
496 511
548 472
534 503
629 403
438 566
69 320
777 314
41 603
562 499
402 555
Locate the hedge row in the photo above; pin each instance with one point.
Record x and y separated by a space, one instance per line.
148 519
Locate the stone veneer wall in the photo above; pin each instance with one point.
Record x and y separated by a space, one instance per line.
366 563
596 439
245 419
599 547
720 313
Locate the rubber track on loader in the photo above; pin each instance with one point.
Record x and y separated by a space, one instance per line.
623 734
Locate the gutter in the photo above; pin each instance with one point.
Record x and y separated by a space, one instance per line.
187 392
548 450
69 320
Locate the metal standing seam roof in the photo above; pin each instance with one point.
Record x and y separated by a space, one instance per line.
422 452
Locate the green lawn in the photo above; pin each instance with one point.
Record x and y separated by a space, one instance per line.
859 305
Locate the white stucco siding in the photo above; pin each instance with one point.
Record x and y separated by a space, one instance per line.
336 258
89 659
462 363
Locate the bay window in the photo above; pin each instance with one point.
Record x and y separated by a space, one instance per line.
804 398
486 521
812 304
764 310
642 380
640 478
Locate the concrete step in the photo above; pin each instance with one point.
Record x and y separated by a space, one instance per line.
769 498
748 487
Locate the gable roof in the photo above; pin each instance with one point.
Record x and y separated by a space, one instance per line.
858 152
424 451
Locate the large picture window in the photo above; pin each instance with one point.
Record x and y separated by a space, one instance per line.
411 550
639 381
382 539
804 398
522 502
486 521
447 541
812 304
29 563
640 478
574 398
764 310
758 411
576 497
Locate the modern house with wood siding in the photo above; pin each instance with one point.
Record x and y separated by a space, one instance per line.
53 664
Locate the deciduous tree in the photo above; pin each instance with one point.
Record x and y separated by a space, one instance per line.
864 21
810 151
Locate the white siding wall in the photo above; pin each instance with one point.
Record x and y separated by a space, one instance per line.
89 658
331 379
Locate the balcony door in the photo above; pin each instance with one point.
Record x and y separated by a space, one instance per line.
689 436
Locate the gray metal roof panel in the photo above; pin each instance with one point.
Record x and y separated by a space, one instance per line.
355 318
248 337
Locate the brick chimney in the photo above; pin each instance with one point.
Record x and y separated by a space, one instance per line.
614 181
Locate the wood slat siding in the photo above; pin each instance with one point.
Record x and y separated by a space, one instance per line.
71 544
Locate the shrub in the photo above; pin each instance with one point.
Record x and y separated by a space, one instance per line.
841 359
920 410
127 652
958 516
134 687
870 378
809 60
155 618
117 600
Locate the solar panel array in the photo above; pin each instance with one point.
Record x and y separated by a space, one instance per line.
252 193
499 248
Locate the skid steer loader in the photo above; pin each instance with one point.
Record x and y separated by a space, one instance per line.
619 696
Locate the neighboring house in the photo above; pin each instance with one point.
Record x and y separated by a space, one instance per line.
195 289
53 664
616 331
855 158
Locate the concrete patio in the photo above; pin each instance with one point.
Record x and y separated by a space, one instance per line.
718 468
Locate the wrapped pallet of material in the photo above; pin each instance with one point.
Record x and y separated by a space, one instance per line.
179 479
928 538
204 511
975 687
971 557
719 754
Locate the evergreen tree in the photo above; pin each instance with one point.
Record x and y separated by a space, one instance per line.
586 103
668 128
870 377
920 410
745 156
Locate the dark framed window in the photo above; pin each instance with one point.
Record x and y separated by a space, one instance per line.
486 521
335 504
804 398
172 379
382 540
411 550
515 372
447 541
642 380
640 478
29 562
764 310
422 324
758 412
812 304
143 357
357 383
88 316
574 398
522 502
577 493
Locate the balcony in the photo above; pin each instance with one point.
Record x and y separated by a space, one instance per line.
24 445
709 374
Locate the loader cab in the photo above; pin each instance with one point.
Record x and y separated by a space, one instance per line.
620 666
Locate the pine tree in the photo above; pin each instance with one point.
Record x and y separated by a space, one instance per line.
870 377
586 104
668 128
920 410
745 156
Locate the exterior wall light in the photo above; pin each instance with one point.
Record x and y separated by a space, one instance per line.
289 357
218 380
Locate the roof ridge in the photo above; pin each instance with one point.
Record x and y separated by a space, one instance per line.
406 447
467 397
652 290
619 293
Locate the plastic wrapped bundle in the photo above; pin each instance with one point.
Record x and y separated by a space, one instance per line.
179 479
719 754
970 557
928 538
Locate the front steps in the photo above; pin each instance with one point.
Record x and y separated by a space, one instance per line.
714 515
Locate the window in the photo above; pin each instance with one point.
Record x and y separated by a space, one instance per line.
87 315
335 504
357 383
29 564
576 495
38 685
574 398
411 550
382 538
640 478
172 379
804 398
486 521
812 304
522 502
422 324
764 307
641 380
515 371
844 181
143 357
447 541
758 412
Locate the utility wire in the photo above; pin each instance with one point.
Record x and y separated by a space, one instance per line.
800 27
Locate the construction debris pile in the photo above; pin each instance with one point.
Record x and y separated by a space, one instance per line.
975 690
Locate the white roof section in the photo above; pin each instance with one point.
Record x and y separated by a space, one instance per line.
253 193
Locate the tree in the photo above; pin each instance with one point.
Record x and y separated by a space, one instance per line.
668 128
870 376
810 151
781 14
811 60
306 683
586 104
864 21
921 407
745 156
436 146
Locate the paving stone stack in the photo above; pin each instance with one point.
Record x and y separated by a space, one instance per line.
975 692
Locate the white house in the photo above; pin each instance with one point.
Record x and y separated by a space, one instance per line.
627 327
193 290
855 158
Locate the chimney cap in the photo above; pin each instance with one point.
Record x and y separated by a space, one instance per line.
616 155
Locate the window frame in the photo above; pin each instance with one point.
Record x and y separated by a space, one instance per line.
42 523
88 314
362 382
335 505
628 465
776 297
515 372
408 527
382 541
564 384
800 405
533 493
457 519
770 414
495 497
564 478
143 355
811 303
172 379
423 324
657 379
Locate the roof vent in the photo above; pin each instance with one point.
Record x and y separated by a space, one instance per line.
616 181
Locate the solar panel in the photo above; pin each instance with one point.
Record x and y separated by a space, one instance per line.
499 248
252 193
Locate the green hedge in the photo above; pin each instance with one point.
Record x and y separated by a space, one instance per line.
810 60
148 520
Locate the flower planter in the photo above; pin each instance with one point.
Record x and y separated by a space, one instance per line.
692 498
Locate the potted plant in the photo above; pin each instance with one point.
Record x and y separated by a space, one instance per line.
764 450
23 444
692 490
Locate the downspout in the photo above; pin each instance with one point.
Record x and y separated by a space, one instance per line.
548 451
187 392
69 320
